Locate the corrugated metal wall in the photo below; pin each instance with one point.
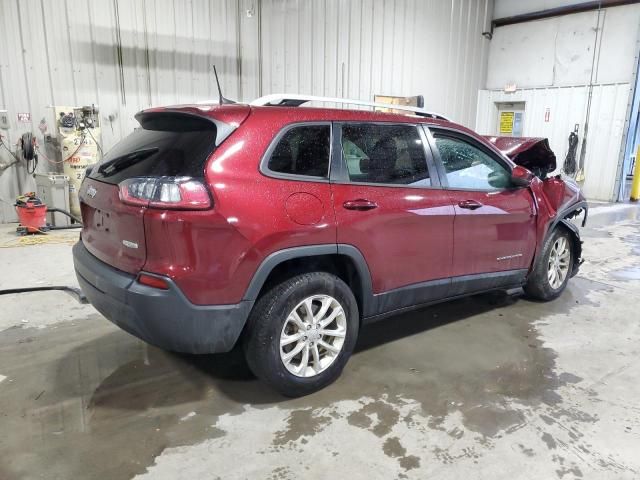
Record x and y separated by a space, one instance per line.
567 107
360 48
125 55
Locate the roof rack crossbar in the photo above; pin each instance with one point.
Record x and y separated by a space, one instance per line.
295 100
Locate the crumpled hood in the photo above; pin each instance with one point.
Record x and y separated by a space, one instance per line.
532 153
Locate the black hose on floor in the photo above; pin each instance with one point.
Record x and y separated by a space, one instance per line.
64 212
65 227
74 292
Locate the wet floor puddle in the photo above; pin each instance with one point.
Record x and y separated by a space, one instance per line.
117 403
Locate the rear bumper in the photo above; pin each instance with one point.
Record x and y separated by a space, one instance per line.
164 318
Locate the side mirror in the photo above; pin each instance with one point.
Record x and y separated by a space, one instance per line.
521 177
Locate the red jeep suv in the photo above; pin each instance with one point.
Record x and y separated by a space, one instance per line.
287 228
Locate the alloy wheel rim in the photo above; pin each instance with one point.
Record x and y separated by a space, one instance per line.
313 335
558 267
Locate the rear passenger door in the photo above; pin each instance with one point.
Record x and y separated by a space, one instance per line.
292 202
494 228
389 204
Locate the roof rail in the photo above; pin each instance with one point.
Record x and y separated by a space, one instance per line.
295 100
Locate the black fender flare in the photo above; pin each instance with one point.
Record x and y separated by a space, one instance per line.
562 219
276 258
563 214
577 244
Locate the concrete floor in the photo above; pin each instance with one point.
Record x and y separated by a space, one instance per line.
486 387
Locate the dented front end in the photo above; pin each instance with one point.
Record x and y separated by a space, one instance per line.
532 153
558 198
564 197
561 194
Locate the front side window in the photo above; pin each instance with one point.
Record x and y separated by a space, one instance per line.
385 154
302 150
468 167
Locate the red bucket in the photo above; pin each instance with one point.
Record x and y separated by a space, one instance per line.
32 217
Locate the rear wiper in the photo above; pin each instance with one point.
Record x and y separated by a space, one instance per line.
124 161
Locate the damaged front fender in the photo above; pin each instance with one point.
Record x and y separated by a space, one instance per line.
559 200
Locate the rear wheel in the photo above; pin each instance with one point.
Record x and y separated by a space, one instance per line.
302 332
553 267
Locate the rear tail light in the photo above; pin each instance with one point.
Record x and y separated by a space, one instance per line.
178 193
151 281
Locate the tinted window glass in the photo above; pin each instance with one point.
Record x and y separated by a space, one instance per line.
469 167
391 154
174 145
303 150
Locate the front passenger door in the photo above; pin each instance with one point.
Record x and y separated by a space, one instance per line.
494 226
389 205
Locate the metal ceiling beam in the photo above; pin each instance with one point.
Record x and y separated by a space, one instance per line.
558 11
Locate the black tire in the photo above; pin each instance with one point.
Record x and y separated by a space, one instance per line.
266 322
538 285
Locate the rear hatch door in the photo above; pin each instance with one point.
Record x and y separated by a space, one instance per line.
111 230
171 143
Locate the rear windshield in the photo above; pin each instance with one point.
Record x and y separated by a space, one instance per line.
167 145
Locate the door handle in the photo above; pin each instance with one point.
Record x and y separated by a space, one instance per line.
469 204
359 204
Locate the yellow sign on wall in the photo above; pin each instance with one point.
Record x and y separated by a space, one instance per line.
506 122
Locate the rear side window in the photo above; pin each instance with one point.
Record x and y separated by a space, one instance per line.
175 145
386 154
302 150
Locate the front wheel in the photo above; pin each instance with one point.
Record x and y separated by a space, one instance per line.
302 332
553 267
